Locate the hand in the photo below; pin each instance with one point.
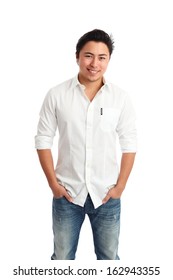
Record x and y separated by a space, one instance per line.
59 191
114 193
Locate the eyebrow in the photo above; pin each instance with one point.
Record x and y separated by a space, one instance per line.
102 54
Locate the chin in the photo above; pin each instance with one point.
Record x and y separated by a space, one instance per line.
94 79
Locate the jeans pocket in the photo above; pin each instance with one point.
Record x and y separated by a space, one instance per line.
58 198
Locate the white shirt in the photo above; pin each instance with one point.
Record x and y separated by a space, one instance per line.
87 158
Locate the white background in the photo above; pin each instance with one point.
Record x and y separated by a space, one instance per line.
37 44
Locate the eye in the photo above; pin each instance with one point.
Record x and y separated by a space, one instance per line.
88 55
102 58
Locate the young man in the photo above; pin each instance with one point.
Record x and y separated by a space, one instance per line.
89 113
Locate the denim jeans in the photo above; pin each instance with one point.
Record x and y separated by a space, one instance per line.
68 219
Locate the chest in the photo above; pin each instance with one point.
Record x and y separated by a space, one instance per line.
78 113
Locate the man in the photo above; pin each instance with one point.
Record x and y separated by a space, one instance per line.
89 113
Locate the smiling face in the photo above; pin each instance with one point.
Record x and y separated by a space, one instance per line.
93 60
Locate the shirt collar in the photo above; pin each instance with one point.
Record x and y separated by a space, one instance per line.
75 82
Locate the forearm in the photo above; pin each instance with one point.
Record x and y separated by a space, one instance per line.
46 161
127 161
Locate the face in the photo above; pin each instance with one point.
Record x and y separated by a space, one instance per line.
93 61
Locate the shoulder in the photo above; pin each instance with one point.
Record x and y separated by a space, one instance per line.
116 90
116 93
62 87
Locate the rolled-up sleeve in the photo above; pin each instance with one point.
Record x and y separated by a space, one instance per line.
126 128
47 124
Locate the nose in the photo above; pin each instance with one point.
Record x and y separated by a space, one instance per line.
94 62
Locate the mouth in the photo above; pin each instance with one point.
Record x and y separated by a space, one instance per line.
93 72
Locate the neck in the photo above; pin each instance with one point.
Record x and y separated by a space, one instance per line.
91 89
91 85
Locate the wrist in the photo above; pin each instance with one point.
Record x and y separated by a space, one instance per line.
53 185
120 186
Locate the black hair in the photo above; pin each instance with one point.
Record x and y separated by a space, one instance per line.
96 35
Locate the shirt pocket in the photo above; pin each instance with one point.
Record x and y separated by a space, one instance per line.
109 119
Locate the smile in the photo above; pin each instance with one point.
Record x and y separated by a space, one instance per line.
93 71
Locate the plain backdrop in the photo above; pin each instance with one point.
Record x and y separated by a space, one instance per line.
37 51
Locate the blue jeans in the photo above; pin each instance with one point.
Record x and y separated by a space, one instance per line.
68 219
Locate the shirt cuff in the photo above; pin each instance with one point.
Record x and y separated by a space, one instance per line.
43 142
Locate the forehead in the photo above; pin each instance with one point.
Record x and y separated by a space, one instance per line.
95 48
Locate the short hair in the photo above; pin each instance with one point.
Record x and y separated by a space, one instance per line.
96 35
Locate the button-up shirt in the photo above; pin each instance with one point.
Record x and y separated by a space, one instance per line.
87 157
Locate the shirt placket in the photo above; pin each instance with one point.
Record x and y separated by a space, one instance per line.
89 151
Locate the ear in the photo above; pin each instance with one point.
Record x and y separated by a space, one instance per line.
77 58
